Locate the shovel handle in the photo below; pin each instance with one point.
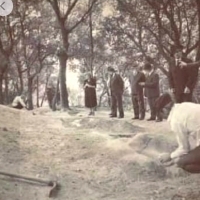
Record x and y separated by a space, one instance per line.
49 183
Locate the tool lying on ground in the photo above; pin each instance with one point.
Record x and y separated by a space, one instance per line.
53 184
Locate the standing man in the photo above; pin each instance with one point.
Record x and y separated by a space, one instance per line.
152 90
136 77
117 89
181 80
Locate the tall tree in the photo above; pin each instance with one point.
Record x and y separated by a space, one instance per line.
64 11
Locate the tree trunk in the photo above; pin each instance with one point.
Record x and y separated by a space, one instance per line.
55 97
6 93
100 98
45 90
198 49
1 89
20 74
91 44
37 92
62 79
29 95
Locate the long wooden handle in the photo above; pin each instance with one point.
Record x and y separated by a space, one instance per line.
49 183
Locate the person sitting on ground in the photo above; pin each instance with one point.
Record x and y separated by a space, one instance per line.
184 121
19 102
162 103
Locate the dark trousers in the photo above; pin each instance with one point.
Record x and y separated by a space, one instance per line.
152 105
116 102
138 105
18 106
190 162
183 97
161 102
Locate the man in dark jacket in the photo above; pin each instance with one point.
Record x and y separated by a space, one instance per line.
152 90
136 77
182 80
116 87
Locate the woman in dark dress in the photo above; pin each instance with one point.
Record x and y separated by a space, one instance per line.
90 93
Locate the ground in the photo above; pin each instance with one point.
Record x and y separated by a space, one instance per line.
93 158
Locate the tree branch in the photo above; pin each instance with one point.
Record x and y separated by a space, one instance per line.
83 17
70 8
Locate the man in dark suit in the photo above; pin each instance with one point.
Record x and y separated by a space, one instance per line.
116 87
181 80
136 77
152 90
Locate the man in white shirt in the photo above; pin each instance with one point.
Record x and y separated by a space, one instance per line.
18 102
184 121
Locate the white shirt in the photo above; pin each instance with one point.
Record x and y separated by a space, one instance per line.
186 115
135 72
151 72
18 100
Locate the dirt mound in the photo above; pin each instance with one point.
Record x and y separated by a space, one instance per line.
10 118
104 125
92 158
151 144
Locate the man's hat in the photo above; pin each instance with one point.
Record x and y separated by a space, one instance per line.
111 69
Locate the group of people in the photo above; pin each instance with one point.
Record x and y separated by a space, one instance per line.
138 81
144 82
183 114
182 81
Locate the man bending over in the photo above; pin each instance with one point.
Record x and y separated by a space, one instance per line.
184 121
18 102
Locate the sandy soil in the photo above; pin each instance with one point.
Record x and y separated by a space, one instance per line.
92 158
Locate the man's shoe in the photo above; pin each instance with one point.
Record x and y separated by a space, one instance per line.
135 118
121 117
158 120
151 119
141 118
112 116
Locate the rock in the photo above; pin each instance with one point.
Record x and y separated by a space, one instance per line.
5 129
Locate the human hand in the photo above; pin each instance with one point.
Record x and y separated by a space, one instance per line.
86 85
187 90
172 90
164 157
182 64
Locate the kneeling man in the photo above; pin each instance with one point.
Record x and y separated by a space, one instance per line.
18 102
184 120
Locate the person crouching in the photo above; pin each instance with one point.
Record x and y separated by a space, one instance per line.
19 102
